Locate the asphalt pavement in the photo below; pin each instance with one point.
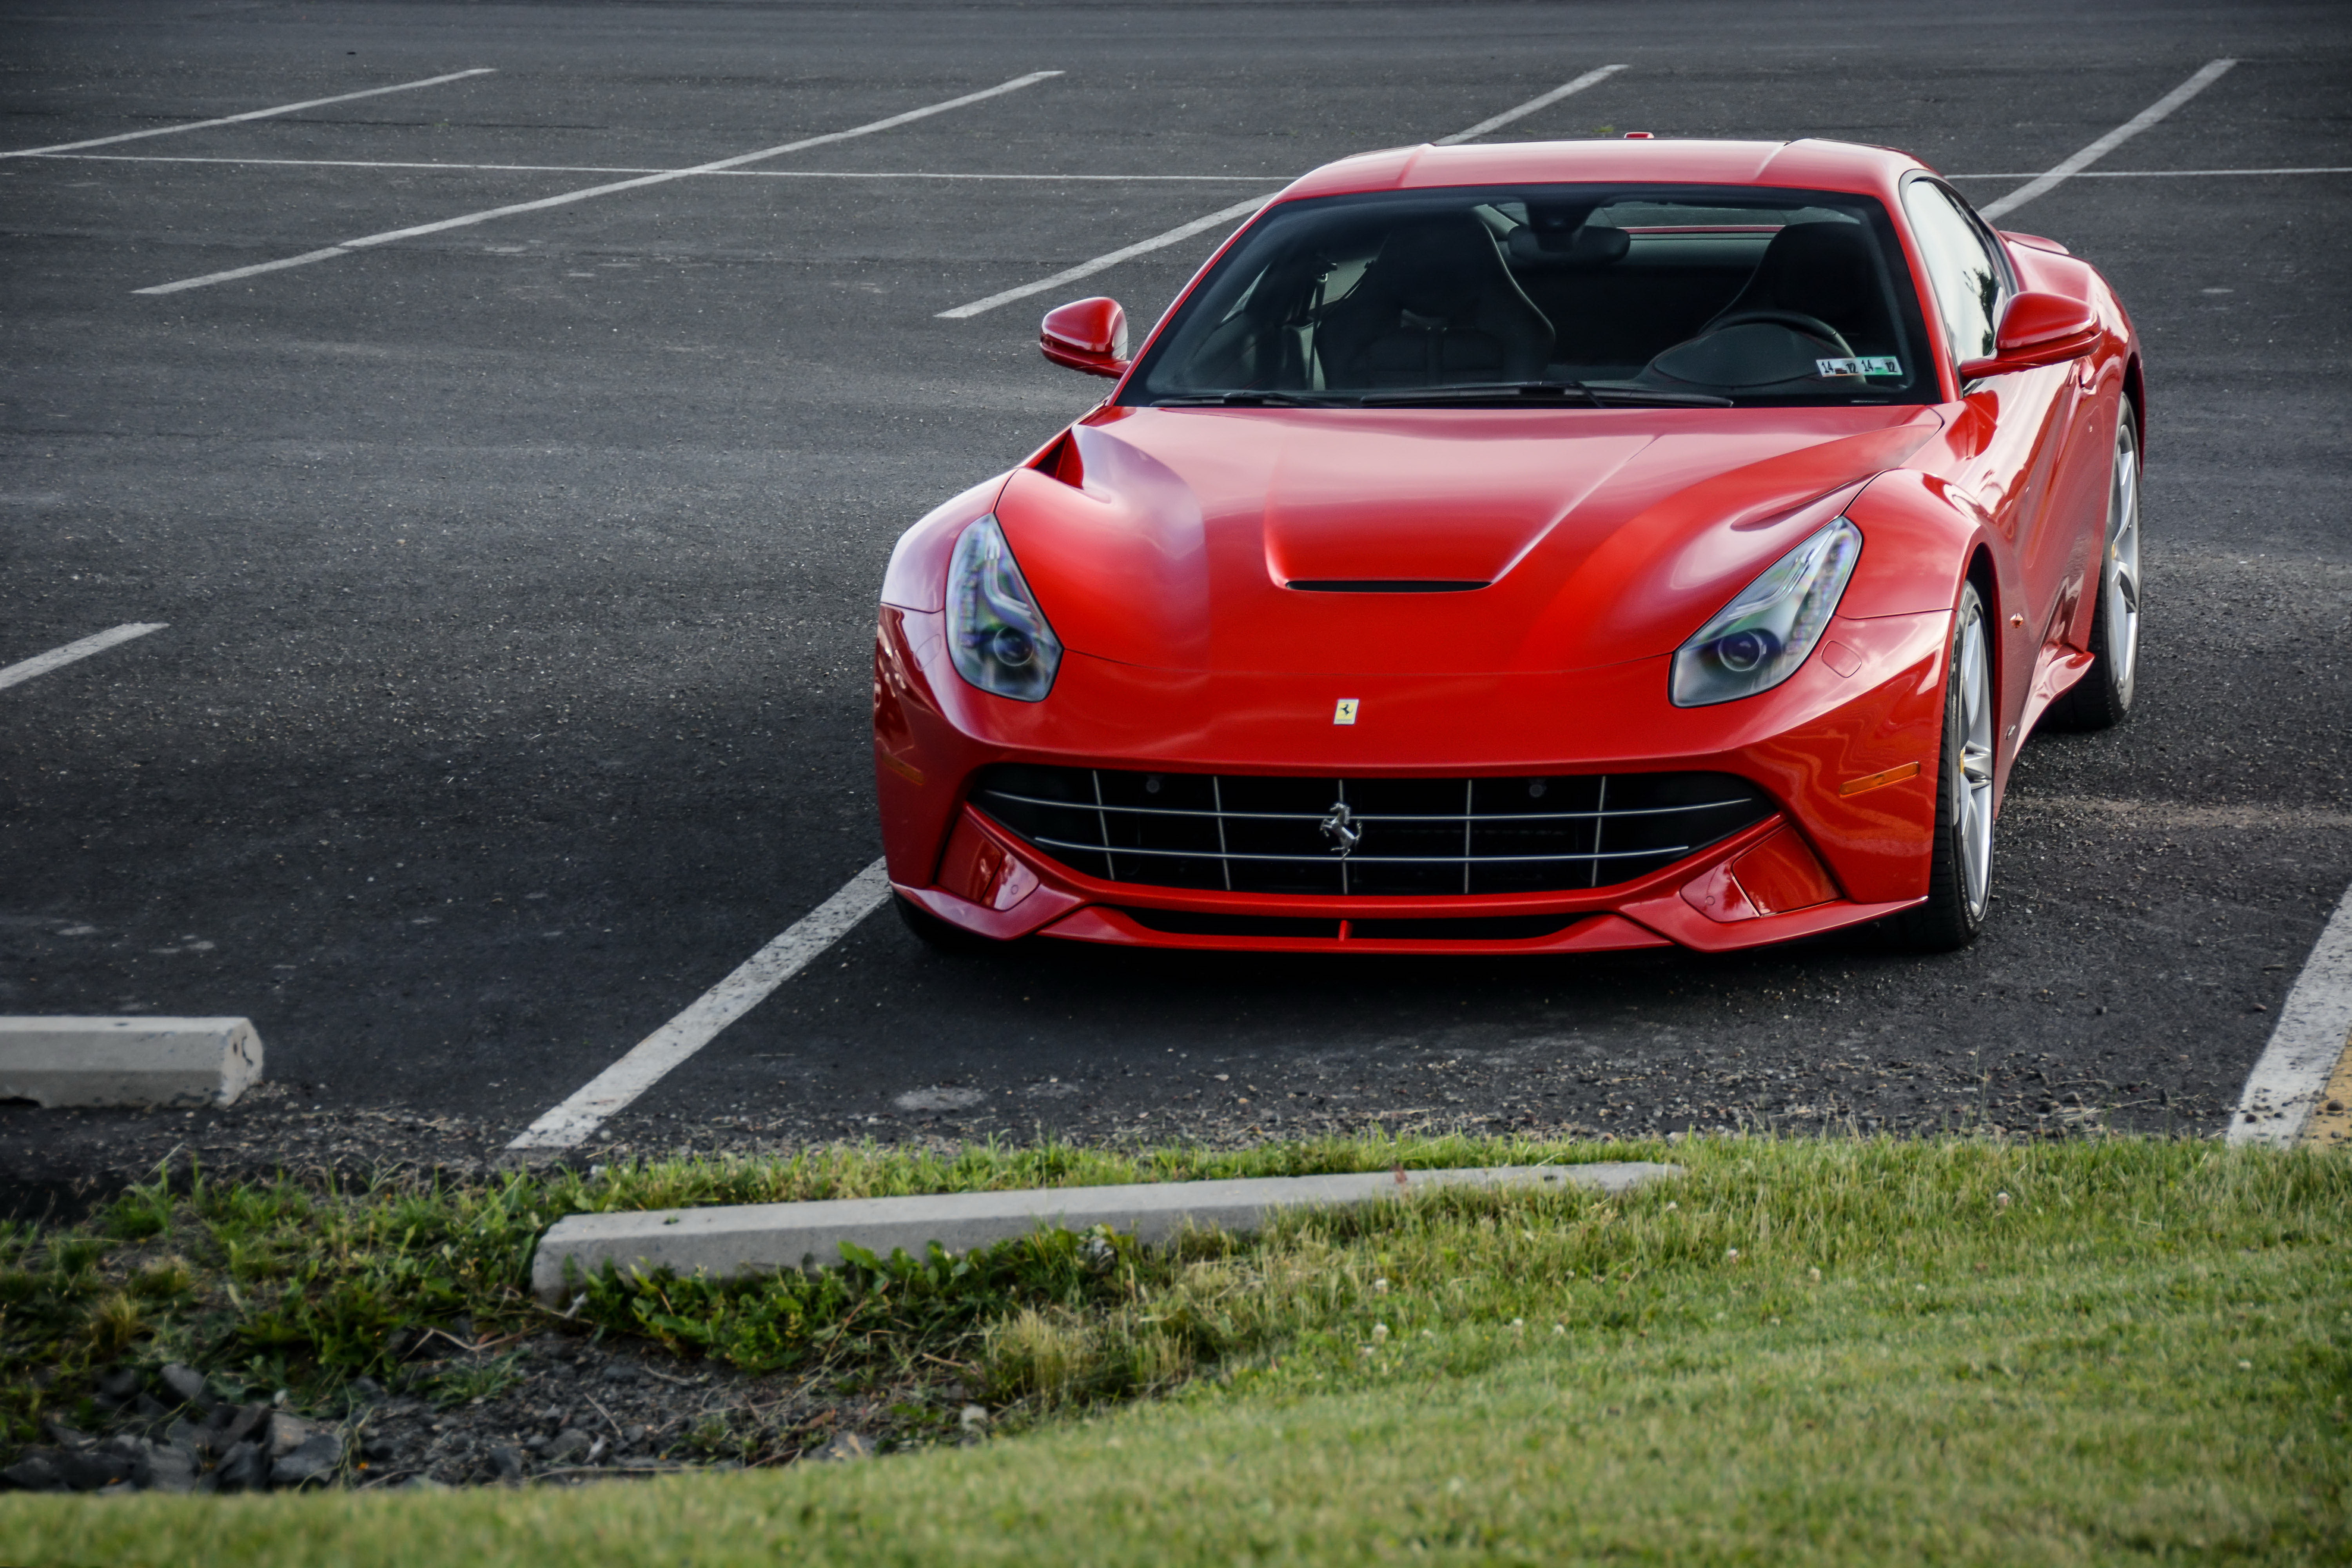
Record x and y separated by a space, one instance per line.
517 578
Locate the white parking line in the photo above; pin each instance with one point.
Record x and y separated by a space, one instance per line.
2207 75
627 169
1185 231
467 219
41 664
1111 258
654 1056
2315 1031
248 114
1565 90
2166 173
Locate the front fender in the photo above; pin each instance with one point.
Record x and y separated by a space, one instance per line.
918 574
1919 535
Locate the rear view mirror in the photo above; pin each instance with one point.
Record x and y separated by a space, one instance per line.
2038 329
1088 335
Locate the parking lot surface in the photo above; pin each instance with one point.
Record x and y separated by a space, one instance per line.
515 577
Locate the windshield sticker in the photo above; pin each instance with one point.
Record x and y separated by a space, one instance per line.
1868 364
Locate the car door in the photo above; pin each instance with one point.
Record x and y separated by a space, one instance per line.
2014 473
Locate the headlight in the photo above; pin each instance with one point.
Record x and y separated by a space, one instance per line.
1759 639
996 633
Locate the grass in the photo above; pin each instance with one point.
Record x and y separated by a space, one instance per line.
1814 1352
281 1285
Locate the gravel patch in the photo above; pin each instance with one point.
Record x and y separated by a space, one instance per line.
557 1410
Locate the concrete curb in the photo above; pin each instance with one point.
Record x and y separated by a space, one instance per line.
754 1238
128 1061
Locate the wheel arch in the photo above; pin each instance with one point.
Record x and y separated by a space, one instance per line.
1985 577
2135 396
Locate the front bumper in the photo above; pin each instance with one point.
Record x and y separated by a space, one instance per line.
1846 749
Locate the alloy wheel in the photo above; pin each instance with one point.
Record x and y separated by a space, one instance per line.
2122 585
1972 764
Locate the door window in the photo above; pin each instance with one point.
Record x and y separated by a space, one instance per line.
1968 279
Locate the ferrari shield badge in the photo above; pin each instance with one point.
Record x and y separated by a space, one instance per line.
1346 713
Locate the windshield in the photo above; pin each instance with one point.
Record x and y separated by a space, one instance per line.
1592 295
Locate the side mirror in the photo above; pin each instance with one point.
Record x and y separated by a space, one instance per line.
2037 330
1088 335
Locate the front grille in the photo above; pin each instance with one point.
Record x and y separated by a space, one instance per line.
1247 834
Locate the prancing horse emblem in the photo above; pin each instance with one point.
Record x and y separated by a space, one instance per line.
1339 828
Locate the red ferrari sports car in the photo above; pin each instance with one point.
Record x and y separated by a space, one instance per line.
1542 548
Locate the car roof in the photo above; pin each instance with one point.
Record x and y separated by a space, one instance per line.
1807 164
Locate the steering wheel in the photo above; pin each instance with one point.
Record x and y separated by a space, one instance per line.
1796 320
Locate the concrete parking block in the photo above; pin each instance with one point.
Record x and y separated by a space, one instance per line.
754 1238
128 1061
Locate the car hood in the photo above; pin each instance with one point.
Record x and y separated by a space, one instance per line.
1600 535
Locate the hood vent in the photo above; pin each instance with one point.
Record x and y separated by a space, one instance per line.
1382 585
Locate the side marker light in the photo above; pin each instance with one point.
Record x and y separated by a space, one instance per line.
1869 782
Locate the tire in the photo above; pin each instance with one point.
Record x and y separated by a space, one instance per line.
1959 868
2102 698
934 933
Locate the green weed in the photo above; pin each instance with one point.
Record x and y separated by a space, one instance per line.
481 1380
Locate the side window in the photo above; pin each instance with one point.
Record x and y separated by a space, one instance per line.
1967 279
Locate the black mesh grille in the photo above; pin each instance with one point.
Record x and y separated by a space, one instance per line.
1429 837
1460 928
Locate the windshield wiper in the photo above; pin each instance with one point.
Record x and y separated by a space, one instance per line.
1248 400
1642 397
1510 394
1488 392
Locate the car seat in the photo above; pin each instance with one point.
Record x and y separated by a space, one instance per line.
1437 306
1825 270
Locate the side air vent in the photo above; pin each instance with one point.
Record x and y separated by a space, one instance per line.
1060 460
1382 585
